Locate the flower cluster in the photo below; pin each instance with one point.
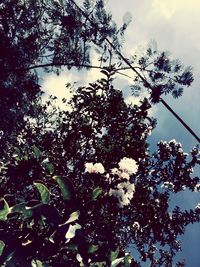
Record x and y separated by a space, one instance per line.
94 168
168 185
124 190
124 193
121 174
128 165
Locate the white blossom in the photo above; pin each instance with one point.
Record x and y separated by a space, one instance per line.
197 188
94 168
136 226
99 168
20 140
116 192
115 171
168 185
149 130
180 150
124 201
120 173
124 193
124 175
128 165
197 207
89 167
127 187
173 141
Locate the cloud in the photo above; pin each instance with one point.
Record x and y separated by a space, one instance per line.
164 8
56 85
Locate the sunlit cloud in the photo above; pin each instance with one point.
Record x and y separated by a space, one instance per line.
56 86
164 8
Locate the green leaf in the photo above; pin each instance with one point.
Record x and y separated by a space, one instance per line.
2 245
66 187
127 260
73 216
96 192
72 230
36 263
36 152
116 262
50 168
113 255
93 248
4 210
21 208
44 192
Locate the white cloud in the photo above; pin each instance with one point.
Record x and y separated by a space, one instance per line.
167 9
56 85
164 8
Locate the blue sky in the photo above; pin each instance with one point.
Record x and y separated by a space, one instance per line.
174 25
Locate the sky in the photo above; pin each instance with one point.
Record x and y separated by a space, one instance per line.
174 25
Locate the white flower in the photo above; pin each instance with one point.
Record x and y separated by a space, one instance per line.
124 200
183 187
115 171
89 167
168 185
136 226
116 192
149 130
127 187
173 141
180 150
128 165
120 173
94 168
124 193
197 207
107 176
20 140
197 188
157 200
99 168
131 188
124 175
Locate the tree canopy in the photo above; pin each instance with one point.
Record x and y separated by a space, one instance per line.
81 187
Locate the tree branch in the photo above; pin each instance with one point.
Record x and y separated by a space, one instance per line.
146 83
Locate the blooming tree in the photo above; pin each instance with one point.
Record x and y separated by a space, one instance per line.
80 188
